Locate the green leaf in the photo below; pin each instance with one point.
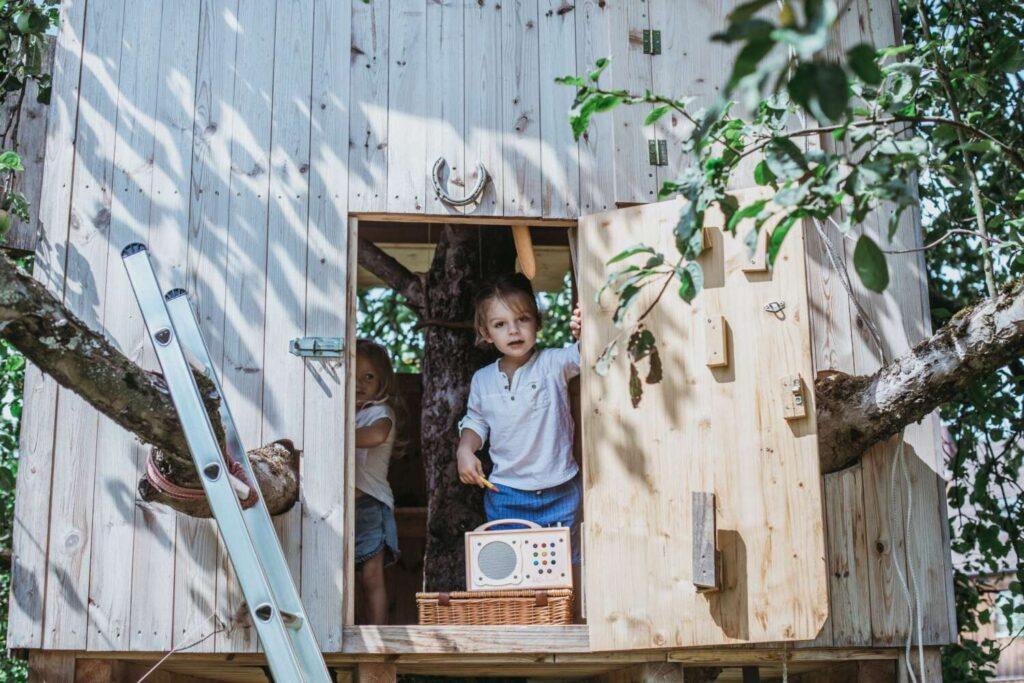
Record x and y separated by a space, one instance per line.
5 223
601 65
747 10
10 161
979 146
779 234
762 174
864 63
784 158
630 251
640 344
821 88
748 211
656 114
636 390
604 361
571 80
870 263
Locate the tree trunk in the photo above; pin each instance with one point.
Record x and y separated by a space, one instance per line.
62 346
464 255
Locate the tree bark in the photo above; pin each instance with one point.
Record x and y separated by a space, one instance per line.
857 412
62 346
464 256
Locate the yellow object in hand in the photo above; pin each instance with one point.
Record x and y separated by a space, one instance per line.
489 485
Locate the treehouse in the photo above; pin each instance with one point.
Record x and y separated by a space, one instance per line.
254 146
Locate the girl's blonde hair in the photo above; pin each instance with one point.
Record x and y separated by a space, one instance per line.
504 288
381 362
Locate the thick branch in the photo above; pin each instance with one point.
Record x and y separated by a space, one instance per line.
393 273
64 347
857 412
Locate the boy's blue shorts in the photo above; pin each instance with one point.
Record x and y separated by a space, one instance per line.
557 506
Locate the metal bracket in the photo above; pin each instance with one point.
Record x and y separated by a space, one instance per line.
652 42
317 347
657 152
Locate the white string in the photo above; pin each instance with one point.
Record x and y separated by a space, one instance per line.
181 648
910 593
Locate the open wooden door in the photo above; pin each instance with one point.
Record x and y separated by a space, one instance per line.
733 417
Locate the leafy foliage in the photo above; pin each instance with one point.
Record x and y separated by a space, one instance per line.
12 379
382 315
835 138
23 29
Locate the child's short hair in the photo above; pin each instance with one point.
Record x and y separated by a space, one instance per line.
504 288
381 362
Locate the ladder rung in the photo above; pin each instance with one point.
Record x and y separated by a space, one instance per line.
255 553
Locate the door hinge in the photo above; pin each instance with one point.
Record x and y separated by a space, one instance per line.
652 42
657 152
317 347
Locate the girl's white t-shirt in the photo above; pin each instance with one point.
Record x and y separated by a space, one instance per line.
529 421
372 463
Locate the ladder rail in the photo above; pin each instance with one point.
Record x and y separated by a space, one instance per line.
286 662
257 518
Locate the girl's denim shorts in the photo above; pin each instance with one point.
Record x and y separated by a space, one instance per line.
376 531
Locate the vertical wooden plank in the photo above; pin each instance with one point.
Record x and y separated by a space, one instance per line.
117 450
850 597
32 148
209 224
520 111
350 410
163 617
594 20
29 569
483 52
407 166
75 440
635 178
445 111
323 471
244 305
286 246
559 152
368 122
690 65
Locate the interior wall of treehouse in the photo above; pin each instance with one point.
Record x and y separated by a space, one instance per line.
875 558
216 132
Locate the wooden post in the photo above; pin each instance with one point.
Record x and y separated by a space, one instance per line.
376 672
48 667
524 250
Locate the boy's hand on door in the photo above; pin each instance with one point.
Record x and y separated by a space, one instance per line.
576 323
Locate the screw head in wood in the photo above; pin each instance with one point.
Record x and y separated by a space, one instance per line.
163 336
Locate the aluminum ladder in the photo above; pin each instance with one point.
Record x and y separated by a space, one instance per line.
249 536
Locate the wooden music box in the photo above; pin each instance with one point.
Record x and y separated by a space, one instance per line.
526 558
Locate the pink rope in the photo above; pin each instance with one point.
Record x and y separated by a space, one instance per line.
168 487
164 485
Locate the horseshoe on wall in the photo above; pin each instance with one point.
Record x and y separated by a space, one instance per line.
474 194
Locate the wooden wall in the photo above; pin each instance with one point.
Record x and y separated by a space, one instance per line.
235 136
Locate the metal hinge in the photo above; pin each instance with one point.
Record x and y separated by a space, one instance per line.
317 347
657 152
652 42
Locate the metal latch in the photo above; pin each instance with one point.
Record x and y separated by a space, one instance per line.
652 42
317 347
657 152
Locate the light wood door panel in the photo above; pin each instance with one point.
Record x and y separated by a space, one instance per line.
719 429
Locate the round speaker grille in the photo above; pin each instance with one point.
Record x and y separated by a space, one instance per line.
496 560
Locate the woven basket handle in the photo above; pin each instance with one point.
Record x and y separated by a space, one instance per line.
528 524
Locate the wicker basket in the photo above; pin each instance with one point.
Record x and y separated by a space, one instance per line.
502 608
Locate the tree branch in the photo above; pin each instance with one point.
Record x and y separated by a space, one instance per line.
393 273
64 347
857 412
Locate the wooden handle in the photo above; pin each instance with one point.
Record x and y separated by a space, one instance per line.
526 523
524 250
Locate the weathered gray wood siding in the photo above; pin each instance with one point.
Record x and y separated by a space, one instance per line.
235 137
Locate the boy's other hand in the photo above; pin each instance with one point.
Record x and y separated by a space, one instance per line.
576 323
471 470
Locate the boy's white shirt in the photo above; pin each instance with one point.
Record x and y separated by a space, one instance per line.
529 423
372 463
